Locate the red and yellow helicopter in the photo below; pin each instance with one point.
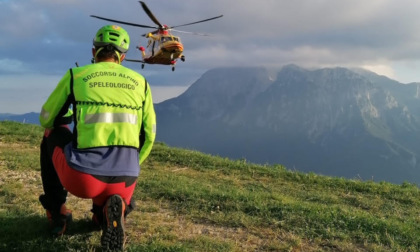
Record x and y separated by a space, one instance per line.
163 47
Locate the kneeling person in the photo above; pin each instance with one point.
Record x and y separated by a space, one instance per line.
114 130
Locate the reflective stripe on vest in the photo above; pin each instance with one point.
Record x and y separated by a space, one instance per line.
111 118
45 114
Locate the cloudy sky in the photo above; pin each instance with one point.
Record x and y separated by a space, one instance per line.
41 39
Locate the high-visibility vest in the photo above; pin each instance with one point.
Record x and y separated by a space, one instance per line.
108 103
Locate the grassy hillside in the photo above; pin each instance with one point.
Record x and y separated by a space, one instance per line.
189 201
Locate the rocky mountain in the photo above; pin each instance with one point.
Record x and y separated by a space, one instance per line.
333 121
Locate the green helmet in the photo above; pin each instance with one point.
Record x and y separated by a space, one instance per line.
112 35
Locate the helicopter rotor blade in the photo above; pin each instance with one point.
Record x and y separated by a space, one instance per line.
192 33
150 14
205 20
126 23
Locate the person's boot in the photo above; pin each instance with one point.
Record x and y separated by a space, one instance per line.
59 220
113 233
97 217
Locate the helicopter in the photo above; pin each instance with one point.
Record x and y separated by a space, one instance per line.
163 47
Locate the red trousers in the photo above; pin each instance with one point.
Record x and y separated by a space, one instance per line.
58 177
84 185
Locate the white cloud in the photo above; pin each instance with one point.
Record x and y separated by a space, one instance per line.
380 69
163 93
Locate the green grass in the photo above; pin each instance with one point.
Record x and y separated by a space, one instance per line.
190 201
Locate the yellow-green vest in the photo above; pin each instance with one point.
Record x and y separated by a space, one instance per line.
108 101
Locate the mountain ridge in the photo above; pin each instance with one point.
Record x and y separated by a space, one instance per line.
333 117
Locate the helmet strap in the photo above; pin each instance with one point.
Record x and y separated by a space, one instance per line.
116 51
119 56
97 51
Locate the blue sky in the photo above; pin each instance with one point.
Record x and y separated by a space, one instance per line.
41 39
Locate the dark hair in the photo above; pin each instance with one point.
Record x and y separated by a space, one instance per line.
106 53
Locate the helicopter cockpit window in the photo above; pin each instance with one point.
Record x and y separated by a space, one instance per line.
175 38
165 39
